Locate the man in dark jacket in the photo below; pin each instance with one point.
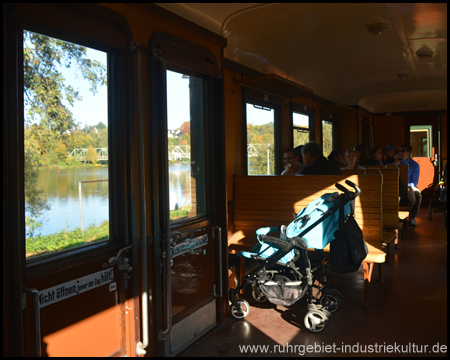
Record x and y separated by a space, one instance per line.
316 163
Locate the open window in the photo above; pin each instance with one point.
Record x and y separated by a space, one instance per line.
66 142
260 139
329 133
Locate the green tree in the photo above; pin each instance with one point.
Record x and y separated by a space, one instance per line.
69 160
100 126
262 139
91 156
46 93
103 138
48 119
61 150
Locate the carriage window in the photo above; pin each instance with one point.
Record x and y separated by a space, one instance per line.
260 140
300 127
65 145
327 137
421 140
185 135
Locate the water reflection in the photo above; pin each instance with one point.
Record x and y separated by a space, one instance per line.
179 185
61 189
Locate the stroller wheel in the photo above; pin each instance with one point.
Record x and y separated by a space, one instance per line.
258 295
239 309
331 302
316 321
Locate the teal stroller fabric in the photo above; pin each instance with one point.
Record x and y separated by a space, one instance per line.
265 250
316 223
318 235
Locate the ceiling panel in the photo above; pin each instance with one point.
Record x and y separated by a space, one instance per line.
328 48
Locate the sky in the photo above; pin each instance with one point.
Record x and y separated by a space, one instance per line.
93 108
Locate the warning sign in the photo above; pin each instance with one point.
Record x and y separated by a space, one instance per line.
75 287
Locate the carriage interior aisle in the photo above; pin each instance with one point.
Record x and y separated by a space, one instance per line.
199 110
408 307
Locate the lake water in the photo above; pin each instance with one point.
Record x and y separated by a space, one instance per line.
62 192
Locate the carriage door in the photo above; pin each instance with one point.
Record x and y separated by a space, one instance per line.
77 244
190 237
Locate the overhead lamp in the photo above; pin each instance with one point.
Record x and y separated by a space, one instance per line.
425 53
377 28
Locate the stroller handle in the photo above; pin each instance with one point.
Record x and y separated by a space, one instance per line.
354 186
351 184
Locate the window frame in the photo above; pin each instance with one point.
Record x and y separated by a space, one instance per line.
306 111
334 121
429 130
268 101
181 56
40 19
207 99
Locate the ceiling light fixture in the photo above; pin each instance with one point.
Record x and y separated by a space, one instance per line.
377 28
425 53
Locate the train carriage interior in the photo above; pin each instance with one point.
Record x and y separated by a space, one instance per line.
143 145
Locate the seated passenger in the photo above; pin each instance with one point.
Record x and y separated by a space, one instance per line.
413 179
293 161
363 156
337 158
389 154
350 161
316 163
377 154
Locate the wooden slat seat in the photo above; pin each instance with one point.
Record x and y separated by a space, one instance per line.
262 201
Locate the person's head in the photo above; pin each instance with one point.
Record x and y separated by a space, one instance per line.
361 152
377 153
298 151
291 158
405 151
336 156
350 158
397 158
390 150
311 151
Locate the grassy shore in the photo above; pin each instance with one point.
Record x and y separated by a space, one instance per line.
43 244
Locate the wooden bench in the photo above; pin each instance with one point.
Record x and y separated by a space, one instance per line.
403 211
390 202
262 201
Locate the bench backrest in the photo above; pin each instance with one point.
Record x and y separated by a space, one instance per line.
390 197
263 201
353 172
403 169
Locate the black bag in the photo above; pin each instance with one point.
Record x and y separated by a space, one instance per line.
349 249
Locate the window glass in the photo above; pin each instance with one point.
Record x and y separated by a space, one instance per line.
300 126
260 140
420 137
327 137
185 138
65 145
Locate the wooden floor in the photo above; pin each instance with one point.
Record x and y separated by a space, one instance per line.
407 315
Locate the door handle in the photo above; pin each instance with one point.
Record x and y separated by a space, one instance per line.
121 263
37 318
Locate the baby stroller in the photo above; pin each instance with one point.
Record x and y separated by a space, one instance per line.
283 274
